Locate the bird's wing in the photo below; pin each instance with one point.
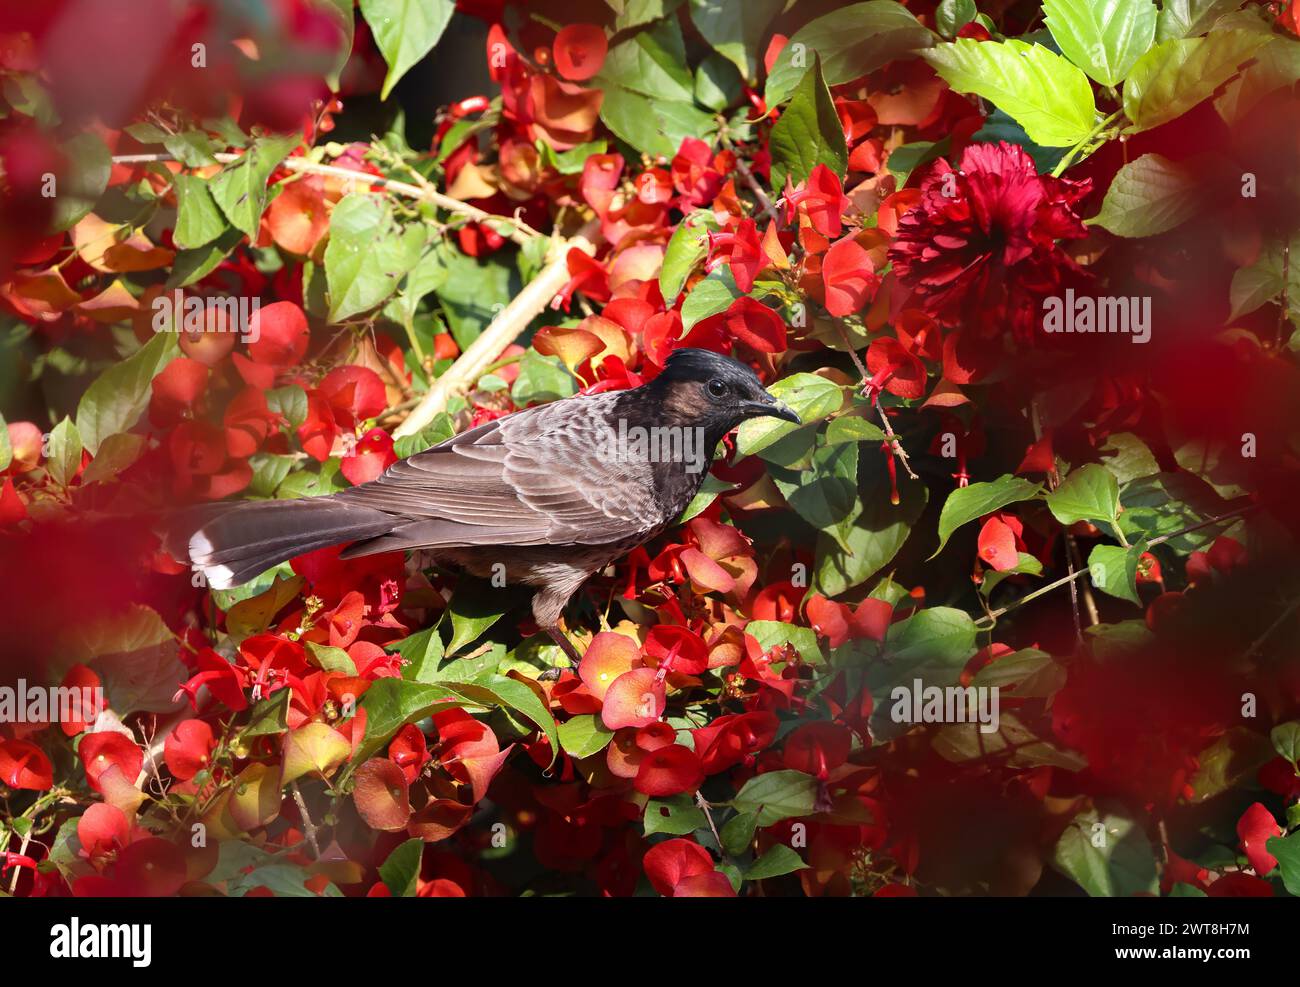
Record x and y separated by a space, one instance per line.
534 478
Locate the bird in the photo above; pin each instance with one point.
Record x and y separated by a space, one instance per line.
544 497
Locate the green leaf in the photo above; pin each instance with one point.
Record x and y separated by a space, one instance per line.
391 703
952 15
717 83
850 428
654 126
1149 196
652 62
367 255
1089 493
1103 37
1044 93
475 606
777 795
812 398
401 871
6 447
269 716
193 265
1174 76
1276 66
774 633
118 397
735 30
340 11
1287 851
541 379
850 42
778 860
932 644
1286 741
240 187
710 296
998 126
675 816
584 735
422 651
826 496
1013 744
405 31
330 659
809 132
77 191
877 535
688 246
64 458
966 504
436 432
634 13
738 833
1185 18
1106 852
198 220
1262 282
497 690
193 148
1113 570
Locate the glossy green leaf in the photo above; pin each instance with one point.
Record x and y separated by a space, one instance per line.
1044 93
1107 853
968 503
1174 76
851 42
736 30
240 187
405 31
118 397
1103 37
1089 493
808 133
777 795
1113 570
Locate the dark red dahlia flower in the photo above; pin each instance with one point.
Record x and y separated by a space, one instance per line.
979 250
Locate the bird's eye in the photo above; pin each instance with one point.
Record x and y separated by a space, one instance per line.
717 388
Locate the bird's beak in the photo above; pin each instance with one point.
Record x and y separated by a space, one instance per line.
771 408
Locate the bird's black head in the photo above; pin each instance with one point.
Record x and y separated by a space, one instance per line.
704 388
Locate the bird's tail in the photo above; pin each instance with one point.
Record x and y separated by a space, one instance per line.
232 543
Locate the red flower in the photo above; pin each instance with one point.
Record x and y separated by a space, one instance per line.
757 326
580 51
997 545
980 246
101 752
1255 828
822 200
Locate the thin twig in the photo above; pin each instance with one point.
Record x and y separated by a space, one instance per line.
503 330
1268 632
520 232
703 803
307 825
1230 515
890 437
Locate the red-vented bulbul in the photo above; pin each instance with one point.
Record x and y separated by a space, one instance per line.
552 493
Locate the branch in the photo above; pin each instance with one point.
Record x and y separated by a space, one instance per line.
521 233
503 330
1229 516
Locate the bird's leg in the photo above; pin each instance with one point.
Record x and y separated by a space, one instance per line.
566 646
548 605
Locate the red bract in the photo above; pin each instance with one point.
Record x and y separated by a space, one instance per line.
730 739
24 765
821 199
580 51
669 771
849 277
374 454
186 748
757 326
997 545
103 830
670 864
